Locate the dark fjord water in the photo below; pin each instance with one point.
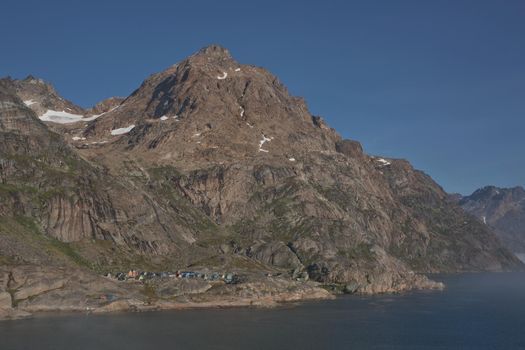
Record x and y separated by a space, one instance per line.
476 311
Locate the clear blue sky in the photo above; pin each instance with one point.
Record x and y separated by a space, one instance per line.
440 83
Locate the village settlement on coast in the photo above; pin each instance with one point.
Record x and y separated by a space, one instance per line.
135 275
36 290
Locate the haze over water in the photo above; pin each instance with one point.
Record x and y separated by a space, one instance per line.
476 311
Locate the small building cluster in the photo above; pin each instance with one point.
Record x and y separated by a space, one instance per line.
229 278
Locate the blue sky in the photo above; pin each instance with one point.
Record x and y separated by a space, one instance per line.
440 83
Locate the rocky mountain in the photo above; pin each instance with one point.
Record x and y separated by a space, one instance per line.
502 209
211 164
68 197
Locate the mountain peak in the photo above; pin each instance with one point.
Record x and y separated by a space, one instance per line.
503 209
214 51
210 57
490 193
213 108
33 80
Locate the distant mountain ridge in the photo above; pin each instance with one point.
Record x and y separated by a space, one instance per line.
504 210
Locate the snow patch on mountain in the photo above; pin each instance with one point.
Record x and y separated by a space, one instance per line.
383 162
262 142
95 116
122 131
62 117
29 102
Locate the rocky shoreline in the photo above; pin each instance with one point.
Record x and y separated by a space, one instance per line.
28 290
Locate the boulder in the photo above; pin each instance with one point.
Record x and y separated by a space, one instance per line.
5 300
276 254
38 287
350 148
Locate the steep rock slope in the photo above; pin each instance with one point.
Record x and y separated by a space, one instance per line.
41 96
219 110
45 181
504 210
286 187
452 238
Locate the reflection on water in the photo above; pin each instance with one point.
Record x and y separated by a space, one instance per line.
476 311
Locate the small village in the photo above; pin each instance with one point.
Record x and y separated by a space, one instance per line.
142 276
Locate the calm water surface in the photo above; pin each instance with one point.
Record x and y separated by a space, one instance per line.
477 311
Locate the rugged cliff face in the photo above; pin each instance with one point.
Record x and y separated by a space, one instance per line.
212 163
502 209
68 198
41 96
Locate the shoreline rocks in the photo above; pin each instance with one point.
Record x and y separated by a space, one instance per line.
39 290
